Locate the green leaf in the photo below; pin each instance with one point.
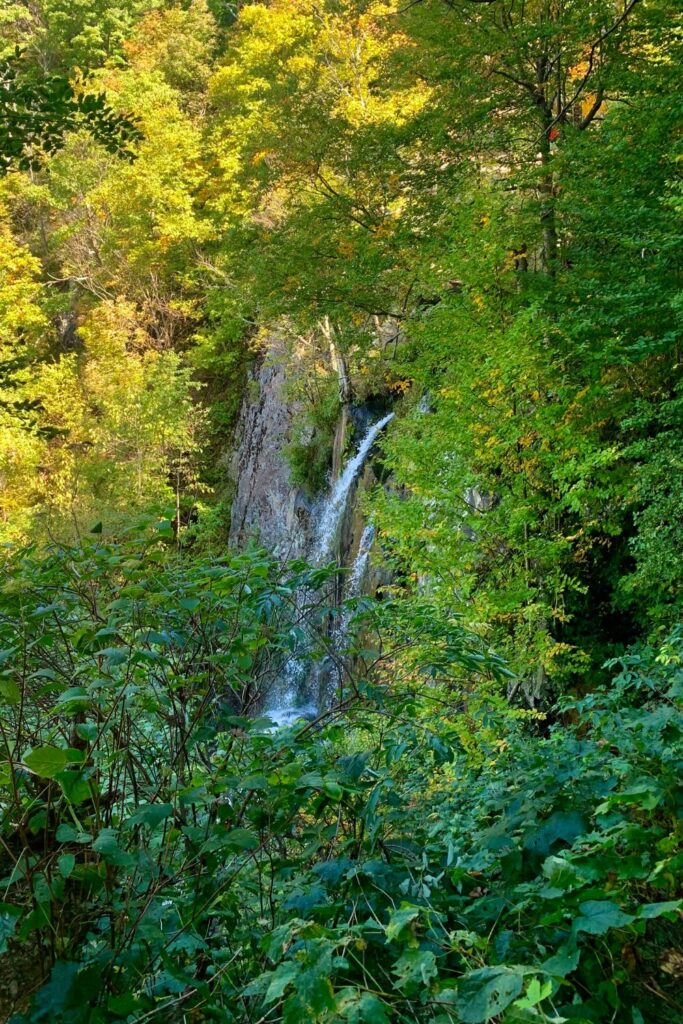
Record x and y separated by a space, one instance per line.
371 1010
9 690
283 976
648 911
561 873
124 1005
241 839
9 919
362 1008
114 655
68 834
333 790
487 992
562 826
536 992
107 845
399 920
598 916
150 815
66 864
87 731
74 786
46 761
415 968
76 698
563 963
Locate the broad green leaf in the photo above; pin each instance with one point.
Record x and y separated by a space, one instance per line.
563 963
150 815
114 655
361 1008
68 834
241 839
562 826
76 698
281 978
597 917
9 691
107 845
47 761
648 911
66 864
9 919
485 993
399 920
536 992
87 731
333 790
415 968
561 873
74 786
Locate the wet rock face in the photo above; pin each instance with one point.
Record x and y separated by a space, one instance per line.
481 501
267 506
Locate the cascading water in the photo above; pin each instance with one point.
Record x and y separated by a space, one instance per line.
334 509
355 581
290 704
294 699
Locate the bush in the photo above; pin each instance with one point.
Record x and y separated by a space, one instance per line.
418 853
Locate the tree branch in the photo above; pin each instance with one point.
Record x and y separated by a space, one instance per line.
449 3
529 86
599 97
591 61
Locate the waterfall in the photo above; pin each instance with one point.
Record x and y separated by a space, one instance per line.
355 581
295 697
287 706
335 506
354 585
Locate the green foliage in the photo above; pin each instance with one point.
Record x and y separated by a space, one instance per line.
64 34
37 110
421 853
108 425
309 453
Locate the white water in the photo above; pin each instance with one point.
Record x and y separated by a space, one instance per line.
355 581
288 702
357 575
287 705
336 503
288 714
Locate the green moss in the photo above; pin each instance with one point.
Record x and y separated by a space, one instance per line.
309 452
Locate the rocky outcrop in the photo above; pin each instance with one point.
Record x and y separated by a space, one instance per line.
267 506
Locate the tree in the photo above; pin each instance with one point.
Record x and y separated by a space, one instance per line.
38 109
116 421
21 324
